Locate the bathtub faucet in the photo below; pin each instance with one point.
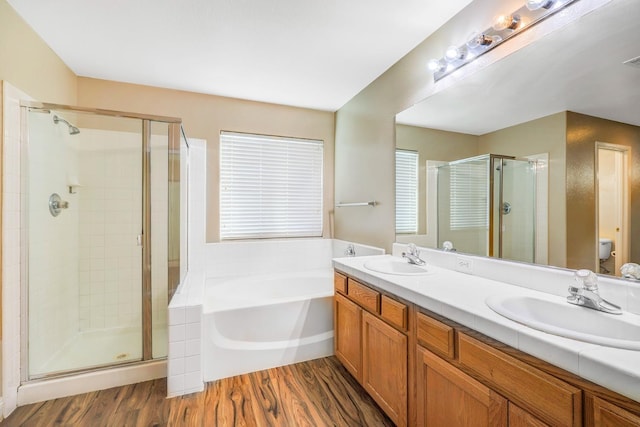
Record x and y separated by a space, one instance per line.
413 255
350 251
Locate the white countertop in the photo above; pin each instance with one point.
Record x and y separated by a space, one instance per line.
461 298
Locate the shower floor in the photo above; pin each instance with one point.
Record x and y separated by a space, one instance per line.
99 348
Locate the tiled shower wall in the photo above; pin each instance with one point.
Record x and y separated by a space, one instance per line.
110 201
53 241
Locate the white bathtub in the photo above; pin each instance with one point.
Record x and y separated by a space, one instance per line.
264 321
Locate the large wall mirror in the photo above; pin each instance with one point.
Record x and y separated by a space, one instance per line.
536 157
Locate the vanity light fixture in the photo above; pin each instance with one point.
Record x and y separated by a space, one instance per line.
506 22
504 27
455 53
539 4
481 41
436 65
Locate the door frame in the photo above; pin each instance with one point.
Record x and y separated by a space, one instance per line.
623 236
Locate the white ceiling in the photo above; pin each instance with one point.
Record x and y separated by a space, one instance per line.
316 54
577 68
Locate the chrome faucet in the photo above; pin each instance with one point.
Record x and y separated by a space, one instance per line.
413 255
587 295
350 251
630 270
447 246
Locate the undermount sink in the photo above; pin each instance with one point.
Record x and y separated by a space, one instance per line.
555 316
399 267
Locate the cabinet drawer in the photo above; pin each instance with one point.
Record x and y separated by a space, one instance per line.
393 312
366 297
340 282
436 336
553 401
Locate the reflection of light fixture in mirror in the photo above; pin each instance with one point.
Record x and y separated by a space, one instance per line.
454 53
436 65
506 22
504 27
481 41
539 4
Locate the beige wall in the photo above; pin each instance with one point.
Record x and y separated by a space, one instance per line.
29 64
204 116
544 135
582 134
432 144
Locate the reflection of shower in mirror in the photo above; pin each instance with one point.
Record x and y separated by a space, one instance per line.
487 205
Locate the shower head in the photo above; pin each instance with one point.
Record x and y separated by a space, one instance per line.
72 129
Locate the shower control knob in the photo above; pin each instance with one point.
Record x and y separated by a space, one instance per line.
506 208
56 204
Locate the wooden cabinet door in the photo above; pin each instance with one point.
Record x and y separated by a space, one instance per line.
347 338
384 367
605 414
518 417
449 397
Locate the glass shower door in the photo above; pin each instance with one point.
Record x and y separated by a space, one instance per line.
463 205
517 210
84 221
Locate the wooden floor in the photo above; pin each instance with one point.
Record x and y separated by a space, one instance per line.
315 393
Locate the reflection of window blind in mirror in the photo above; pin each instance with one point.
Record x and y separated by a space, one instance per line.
406 192
469 201
270 186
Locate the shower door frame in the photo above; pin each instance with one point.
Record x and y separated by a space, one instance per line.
173 136
494 158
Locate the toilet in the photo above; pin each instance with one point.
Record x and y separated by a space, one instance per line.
604 249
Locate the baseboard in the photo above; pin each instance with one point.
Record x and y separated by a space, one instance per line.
38 391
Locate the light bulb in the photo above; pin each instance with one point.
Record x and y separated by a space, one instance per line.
435 65
504 22
479 40
454 53
539 4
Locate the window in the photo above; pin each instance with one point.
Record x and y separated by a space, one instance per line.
406 192
469 202
270 186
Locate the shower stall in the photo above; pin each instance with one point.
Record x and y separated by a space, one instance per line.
103 244
487 206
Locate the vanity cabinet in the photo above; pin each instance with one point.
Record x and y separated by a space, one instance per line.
348 335
384 366
601 413
443 389
426 370
449 397
551 400
371 342
518 417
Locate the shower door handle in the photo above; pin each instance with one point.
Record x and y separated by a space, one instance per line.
139 239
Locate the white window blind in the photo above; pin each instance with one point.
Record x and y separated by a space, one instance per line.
270 186
469 201
406 192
